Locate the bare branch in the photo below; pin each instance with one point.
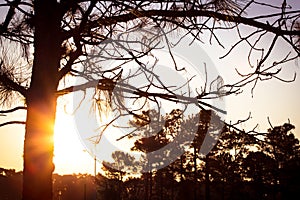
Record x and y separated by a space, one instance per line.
12 123
13 109
5 80
10 15
191 13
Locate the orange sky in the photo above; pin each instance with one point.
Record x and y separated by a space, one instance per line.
274 99
279 101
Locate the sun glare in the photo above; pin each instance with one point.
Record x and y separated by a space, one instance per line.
69 153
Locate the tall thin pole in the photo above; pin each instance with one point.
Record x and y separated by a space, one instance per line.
95 166
95 161
95 170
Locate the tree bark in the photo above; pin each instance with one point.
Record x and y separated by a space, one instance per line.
195 172
41 103
207 181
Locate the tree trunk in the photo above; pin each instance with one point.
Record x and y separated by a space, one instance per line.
150 185
181 168
195 173
207 181
41 104
146 186
161 185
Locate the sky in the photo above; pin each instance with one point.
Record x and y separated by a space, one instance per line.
274 99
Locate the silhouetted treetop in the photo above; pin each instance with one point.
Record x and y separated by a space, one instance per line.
67 40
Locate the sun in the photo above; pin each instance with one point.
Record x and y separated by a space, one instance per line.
69 153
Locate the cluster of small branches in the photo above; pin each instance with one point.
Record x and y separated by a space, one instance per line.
94 32
14 73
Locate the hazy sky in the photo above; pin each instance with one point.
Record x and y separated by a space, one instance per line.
274 99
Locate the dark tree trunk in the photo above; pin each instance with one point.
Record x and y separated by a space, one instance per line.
146 186
150 185
181 168
195 173
161 186
41 104
207 181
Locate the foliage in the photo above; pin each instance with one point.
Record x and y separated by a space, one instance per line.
67 39
239 166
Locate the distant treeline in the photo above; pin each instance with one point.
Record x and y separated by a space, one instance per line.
242 165
70 187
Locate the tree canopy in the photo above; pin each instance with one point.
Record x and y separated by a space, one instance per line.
60 40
